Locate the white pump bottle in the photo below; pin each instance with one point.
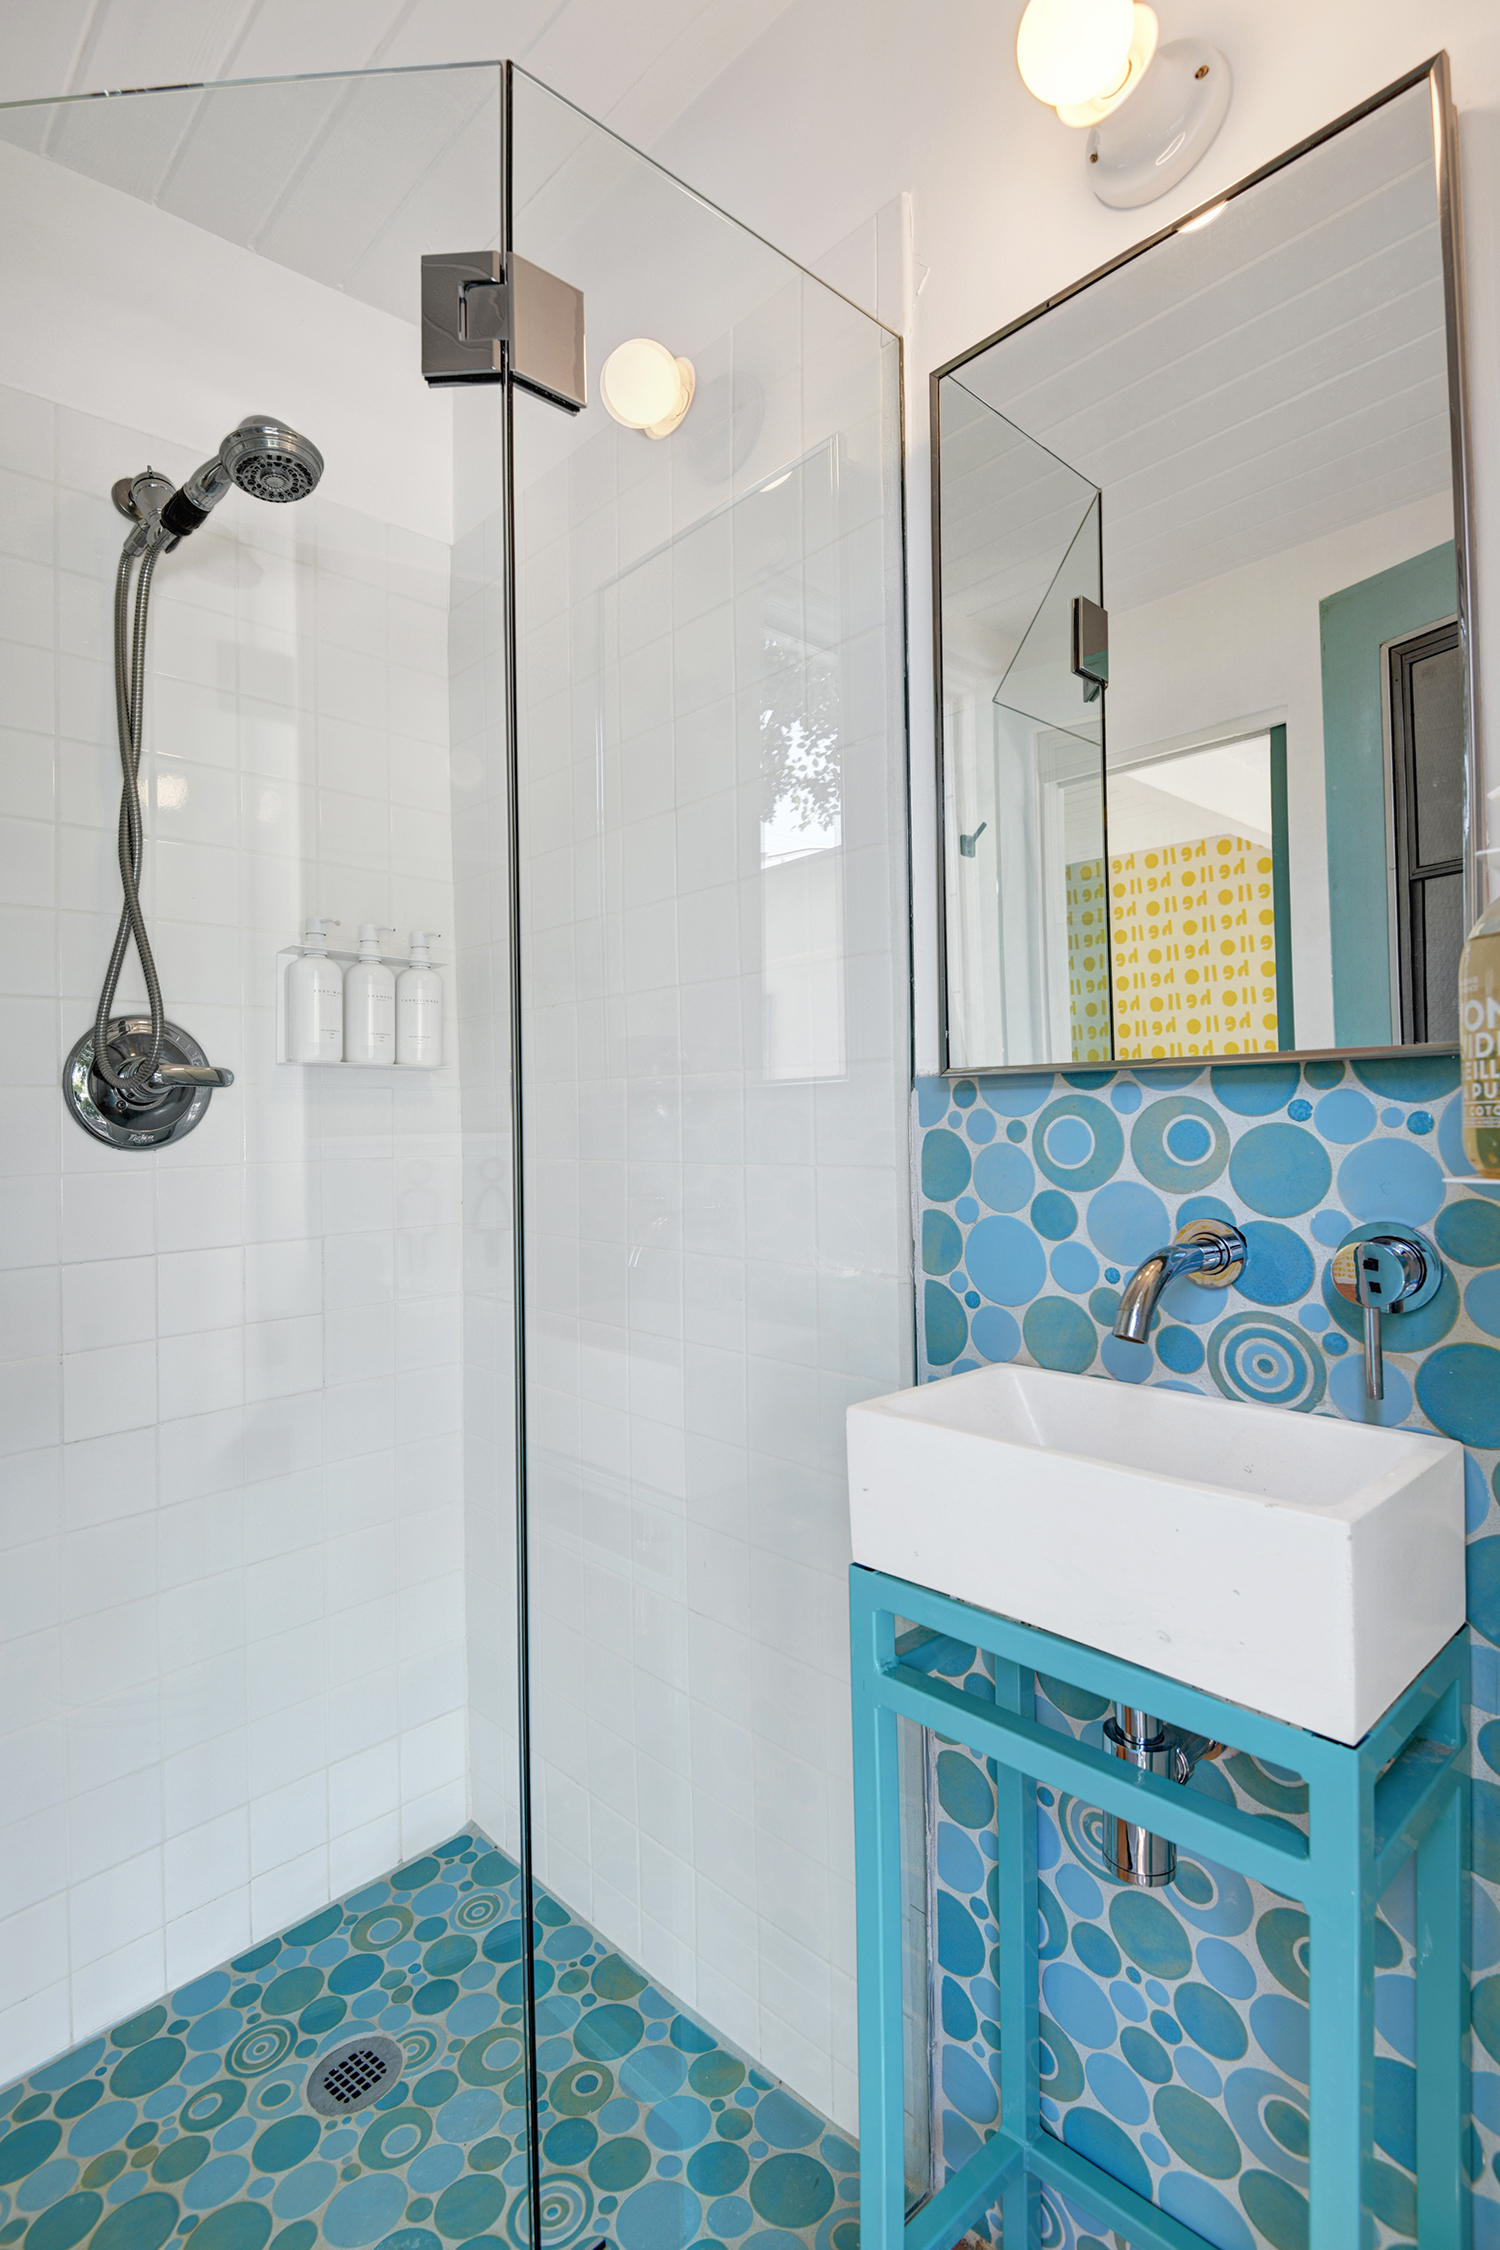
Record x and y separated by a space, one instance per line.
419 1008
315 999
369 1002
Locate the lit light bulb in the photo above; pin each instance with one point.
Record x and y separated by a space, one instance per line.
1072 51
644 387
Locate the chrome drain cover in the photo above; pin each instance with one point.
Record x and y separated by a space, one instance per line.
352 2076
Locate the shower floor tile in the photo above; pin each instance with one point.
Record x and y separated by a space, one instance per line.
189 2119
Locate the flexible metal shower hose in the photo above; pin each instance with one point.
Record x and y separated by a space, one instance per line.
130 689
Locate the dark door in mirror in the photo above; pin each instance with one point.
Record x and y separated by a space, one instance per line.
1427 780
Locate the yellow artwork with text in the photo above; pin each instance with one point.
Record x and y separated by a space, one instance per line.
1192 930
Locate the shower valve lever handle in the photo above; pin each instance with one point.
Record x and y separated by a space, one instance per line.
191 1074
1385 1273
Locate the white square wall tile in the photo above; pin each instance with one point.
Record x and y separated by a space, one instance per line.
117 1984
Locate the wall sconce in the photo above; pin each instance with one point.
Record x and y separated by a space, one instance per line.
1151 111
645 388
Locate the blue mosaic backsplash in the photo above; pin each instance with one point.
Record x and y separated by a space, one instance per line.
1177 2047
189 2119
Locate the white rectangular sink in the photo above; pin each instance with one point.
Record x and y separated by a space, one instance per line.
1305 1566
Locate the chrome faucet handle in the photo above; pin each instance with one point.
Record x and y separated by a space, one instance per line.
190 1074
1389 1271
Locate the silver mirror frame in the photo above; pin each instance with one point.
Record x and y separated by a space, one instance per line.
1436 74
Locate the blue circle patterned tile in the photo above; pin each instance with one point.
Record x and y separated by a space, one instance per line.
1261 1357
1179 1349
1408 1078
1458 1389
945 1167
1469 1232
980 1126
942 1244
945 1325
1248 2093
1004 1177
996 1334
1346 1390
1006 1261
1198 2073
1118 2089
1054 1215
1075 1268
1100 2139
1179 1145
1280 2026
1254 1089
1211 2022
1059 1334
1126 1222
1150 1933
1280 1170
1127 1363
1078 1142
1388 1178
1346 1116
1203 2209
1016 1093
1196 2133
1280 1266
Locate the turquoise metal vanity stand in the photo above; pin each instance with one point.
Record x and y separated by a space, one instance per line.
1402 1789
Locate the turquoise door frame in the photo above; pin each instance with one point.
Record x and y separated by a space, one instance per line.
1401 1790
1353 624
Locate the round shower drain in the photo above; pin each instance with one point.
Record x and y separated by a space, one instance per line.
354 2075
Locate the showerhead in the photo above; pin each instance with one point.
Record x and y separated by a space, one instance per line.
269 461
262 456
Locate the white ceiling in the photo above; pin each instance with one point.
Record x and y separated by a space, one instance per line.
346 179
1234 392
635 67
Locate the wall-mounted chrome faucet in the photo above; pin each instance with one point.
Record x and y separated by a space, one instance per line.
1209 1251
1393 1271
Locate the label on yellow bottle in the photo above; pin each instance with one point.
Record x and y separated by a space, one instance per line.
1479 1050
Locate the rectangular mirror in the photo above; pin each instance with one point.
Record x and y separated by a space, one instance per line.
1202 589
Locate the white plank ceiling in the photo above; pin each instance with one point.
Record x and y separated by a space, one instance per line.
1275 376
344 179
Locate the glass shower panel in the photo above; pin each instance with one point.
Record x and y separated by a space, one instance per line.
1023 820
715 994
238 1656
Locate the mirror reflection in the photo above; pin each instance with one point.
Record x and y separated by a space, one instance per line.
1203 672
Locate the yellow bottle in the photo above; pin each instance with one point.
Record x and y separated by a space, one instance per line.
1479 1042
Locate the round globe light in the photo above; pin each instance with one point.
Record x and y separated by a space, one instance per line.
1069 51
644 387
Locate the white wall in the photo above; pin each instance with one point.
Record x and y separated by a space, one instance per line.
843 103
231 1583
1246 648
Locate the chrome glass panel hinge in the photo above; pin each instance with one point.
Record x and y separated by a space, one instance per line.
485 317
1090 646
